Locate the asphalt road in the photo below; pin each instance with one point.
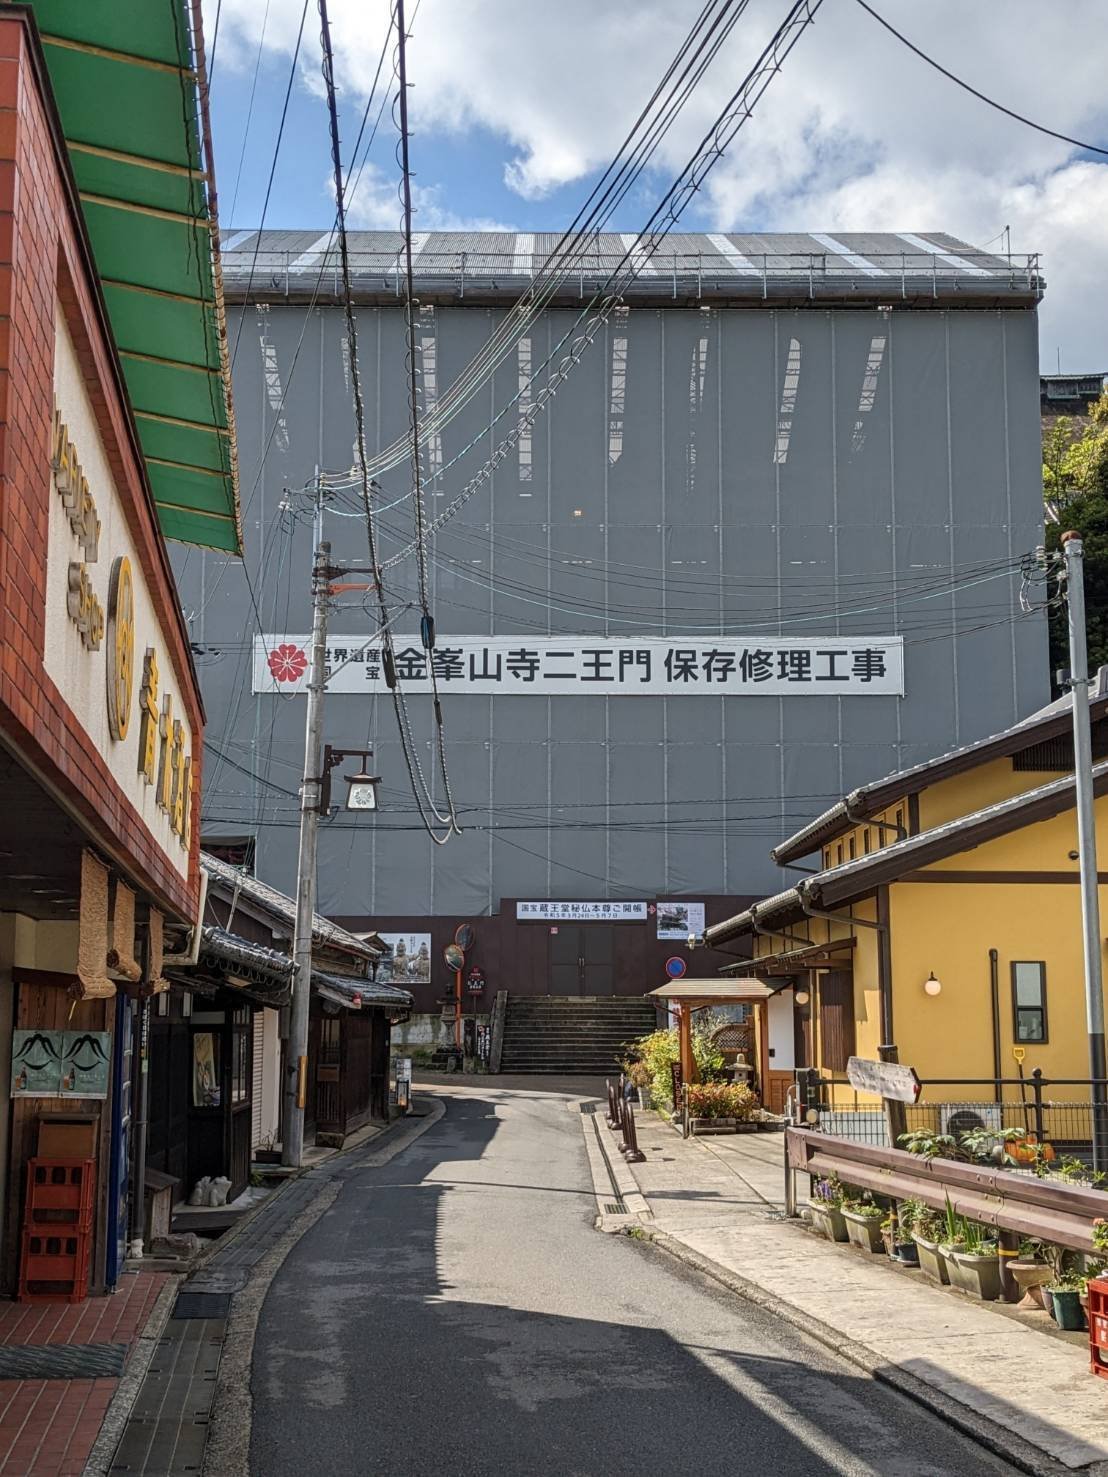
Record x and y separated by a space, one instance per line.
455 1313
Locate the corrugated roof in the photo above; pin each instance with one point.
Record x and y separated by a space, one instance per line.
870 800
798 266
323 930
125 81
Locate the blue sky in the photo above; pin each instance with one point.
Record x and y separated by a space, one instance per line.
518 104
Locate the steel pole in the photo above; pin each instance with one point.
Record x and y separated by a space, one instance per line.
1074 552
296 1058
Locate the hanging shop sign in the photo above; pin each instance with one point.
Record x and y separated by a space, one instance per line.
581 912
70 1064
645 667
475 981
104 648
678 920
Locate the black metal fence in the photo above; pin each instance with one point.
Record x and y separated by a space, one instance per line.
1056 1112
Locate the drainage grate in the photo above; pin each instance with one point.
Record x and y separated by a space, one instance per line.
202 1305
62 1361
589 1107
615 1207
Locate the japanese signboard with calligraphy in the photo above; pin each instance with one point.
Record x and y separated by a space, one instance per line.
547 912
649 666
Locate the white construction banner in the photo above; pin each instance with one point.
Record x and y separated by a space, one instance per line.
648 666
552 912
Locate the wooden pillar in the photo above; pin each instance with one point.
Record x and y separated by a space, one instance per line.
684 1037
761 1023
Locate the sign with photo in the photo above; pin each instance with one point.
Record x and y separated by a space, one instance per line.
72 1064
580 912
678 920
408 961
647 666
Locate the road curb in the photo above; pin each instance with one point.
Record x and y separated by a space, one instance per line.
611 1180
979 1428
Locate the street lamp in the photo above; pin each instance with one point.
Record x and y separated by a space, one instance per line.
362 794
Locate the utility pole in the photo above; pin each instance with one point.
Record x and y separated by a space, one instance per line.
1074 552
296 1060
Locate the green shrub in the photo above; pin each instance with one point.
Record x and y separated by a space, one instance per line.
721 1100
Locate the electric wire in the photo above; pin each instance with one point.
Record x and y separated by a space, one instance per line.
407 744
730 120
974 92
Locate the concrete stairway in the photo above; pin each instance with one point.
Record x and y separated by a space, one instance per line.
578 1034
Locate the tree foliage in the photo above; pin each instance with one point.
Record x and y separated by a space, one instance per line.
1075 489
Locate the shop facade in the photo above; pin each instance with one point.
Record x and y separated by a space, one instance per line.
100 714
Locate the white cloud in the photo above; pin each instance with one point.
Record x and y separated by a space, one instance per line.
374 205
856 132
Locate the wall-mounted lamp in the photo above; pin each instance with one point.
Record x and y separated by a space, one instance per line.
932 986
802 997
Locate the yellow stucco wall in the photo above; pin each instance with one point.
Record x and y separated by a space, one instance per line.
964 793
949 930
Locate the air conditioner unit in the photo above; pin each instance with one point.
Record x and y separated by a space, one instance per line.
959 1118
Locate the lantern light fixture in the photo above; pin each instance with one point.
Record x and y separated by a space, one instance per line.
931 985
802 997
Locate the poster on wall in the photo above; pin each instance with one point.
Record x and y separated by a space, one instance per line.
678 920
205 1071
71 1064
408 961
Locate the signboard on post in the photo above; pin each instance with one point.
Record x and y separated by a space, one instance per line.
885 1079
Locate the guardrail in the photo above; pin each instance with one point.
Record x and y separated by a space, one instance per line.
1044 1209
1067 1121
812 275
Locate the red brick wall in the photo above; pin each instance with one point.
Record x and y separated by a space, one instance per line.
44 257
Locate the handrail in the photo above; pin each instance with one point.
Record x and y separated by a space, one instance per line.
1046 1210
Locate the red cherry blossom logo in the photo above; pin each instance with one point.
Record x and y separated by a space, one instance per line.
287 663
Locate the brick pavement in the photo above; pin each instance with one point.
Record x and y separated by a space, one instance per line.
48 1427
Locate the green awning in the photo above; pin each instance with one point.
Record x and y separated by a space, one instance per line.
125 84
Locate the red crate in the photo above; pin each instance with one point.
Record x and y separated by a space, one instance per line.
61 1185
1098 1326
54 1265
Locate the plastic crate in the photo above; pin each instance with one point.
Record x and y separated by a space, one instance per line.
54 1266
1098 1326
60 1192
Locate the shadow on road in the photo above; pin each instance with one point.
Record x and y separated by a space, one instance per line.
445 1319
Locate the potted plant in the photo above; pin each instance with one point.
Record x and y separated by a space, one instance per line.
826 1207
888 1234
978 1263
953 1240
715 1106
1065 1292
904 1247
1032 1272
638 1074
927 1231
863 1221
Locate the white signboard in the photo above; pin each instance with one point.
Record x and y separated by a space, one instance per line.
648 666
678 920
550 912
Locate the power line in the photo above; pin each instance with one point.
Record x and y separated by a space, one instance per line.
269 183
973 91
407 742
